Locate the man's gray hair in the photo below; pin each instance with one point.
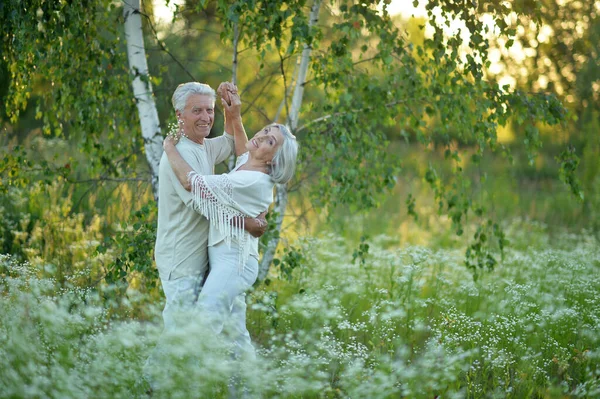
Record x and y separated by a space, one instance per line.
184 90
284 161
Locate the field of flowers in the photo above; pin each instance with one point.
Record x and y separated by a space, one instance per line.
394 322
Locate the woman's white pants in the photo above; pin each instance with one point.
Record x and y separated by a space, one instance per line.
222 301
221 304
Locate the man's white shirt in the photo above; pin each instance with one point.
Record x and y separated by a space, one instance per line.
182 234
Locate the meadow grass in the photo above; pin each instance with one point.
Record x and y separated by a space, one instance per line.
405 321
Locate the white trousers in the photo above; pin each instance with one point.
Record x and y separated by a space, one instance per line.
223 297
181 295
219 303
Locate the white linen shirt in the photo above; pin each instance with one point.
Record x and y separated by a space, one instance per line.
182 233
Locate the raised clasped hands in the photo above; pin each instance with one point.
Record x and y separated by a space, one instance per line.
230 99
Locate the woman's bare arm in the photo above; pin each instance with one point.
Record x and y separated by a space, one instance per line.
232 108
178 164
233 120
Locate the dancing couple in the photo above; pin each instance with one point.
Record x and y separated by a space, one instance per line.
208 225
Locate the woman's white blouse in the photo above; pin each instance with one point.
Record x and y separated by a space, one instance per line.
226 199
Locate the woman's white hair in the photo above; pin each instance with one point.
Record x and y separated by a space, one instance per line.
184 90
283 164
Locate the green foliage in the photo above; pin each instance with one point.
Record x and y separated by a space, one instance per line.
292 259
562 61
10 166
367 82
132 246
478 256
442 87
409 322
57 341
43 228
271 231
264 23
590 178
569 161
46 226
66 60
289 259
409 298
361 252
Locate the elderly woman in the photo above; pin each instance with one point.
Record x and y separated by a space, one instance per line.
225 200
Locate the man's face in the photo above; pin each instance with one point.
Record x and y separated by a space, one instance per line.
198 117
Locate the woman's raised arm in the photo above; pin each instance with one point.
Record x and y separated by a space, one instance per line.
178 164
233 120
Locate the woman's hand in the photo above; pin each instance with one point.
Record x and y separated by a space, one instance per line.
230 99
170 141
173 135
233 108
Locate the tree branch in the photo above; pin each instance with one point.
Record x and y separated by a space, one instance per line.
262 89
285 86
163 48
325 117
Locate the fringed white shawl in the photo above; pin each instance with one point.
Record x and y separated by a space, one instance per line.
225 200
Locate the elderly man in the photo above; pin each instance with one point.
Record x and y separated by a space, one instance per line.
182 235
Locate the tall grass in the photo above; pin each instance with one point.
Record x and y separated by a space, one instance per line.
404 322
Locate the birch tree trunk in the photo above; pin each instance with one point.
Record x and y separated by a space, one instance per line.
281 196
142 89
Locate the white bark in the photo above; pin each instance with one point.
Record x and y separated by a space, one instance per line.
286 94
142 89
281 197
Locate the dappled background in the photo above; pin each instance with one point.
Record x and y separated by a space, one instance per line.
440 237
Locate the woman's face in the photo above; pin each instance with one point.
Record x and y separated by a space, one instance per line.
265 143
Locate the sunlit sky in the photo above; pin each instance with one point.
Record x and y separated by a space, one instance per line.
164 13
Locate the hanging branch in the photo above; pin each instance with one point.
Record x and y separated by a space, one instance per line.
236 38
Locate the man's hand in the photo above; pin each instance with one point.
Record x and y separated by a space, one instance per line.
224 90
256 226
